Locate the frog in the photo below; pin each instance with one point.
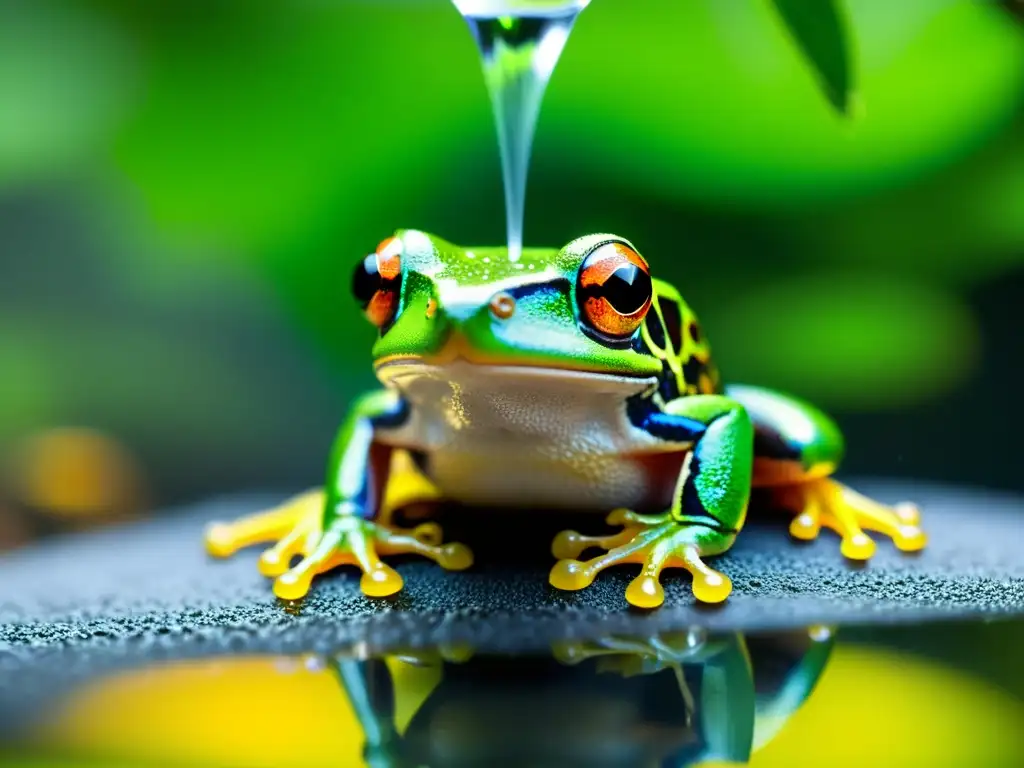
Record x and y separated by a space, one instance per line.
567 378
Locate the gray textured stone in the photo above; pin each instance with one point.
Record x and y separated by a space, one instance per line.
77 608
149 590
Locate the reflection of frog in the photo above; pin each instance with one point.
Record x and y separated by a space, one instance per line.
565 379
671 700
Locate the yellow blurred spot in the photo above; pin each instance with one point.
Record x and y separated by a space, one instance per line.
248 712
879 708
75 473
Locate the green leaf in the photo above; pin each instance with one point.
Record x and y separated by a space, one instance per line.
819 29
1014 7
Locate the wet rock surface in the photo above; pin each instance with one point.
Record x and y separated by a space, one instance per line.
130 595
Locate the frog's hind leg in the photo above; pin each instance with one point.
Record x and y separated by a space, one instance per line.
825 503
286 524
295 524
296 530
796 450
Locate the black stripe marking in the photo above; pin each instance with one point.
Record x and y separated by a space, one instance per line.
654 328
673 323
665 426
668 384
691 510
394 418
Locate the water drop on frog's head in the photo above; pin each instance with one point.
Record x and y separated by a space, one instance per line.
470 255
486 259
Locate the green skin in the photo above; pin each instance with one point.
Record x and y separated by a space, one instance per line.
546 330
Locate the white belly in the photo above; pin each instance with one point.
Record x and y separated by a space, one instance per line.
533 480
529 436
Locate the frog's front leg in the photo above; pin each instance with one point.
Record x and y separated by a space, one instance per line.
339 525
708 508
796 449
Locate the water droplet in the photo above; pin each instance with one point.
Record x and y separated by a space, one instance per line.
520 42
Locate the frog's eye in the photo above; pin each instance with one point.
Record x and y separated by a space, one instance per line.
377 281
614 290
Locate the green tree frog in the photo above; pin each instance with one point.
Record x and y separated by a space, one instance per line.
564 379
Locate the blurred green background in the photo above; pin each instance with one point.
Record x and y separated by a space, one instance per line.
185 187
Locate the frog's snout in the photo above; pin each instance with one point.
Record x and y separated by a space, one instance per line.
469 325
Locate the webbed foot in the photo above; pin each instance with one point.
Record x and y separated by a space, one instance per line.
827 504
656 542
297 530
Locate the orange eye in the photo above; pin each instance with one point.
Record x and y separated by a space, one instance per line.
377 281
614 290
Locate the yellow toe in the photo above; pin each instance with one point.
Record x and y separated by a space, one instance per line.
570 575
804 527
455 557
292 586
567 545
271 563
219 541
908 512
713 587
910 538
381 582
858 547
617 517
645 592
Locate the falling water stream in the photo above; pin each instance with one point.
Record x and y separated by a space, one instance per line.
520 42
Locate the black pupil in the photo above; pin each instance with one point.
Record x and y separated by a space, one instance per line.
627 289
366 280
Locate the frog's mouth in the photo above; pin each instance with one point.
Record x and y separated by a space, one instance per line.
460 360
404 371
